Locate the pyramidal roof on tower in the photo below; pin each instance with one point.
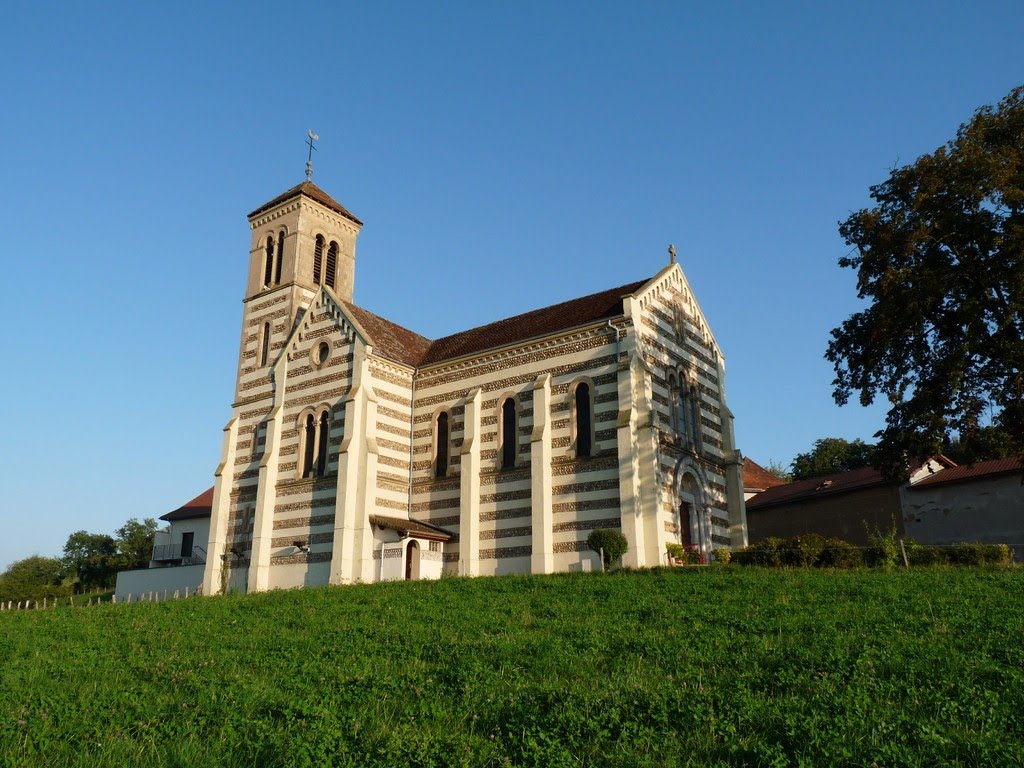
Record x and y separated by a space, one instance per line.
313 192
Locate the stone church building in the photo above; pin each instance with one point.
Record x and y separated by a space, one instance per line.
358 450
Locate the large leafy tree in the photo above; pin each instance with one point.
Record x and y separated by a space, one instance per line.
33 579
92 557
135 542
940 263
831 455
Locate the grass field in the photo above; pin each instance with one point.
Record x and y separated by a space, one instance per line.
683 667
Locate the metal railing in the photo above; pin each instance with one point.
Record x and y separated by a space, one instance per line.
195 555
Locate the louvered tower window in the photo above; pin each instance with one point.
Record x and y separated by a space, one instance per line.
318 260
332 265
269 262
583 418
280 256
321 456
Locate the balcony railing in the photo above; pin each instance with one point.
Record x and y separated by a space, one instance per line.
194 555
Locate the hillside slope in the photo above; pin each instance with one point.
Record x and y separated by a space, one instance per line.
682 667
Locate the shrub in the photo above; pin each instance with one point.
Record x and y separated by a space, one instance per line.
883 550
768 552
723 555
838 553
612 542
804 550
919 554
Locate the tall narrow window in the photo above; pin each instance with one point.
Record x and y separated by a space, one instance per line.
269 263
309 446
321 454
318 260
332 265
280 257
509 436
259 440
694 415
583 419
265 345
441 436
681 417
673 402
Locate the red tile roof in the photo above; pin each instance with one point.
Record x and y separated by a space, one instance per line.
539 322
816 487
200 506
414 527
400 344
313 192
390 339
757 478
967 472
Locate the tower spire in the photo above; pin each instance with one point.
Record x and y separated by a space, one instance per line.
309 159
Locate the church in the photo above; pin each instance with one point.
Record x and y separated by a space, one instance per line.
360 451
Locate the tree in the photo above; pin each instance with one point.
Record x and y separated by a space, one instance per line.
940 261
986 443
92 558
779 470
831 455
612 543
33 579
135 542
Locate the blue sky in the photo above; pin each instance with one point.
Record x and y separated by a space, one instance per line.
502 157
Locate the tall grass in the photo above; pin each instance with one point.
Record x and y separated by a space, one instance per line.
668 667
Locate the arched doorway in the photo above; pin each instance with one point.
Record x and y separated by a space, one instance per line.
412 561
691 504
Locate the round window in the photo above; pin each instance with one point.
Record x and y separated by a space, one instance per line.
323 352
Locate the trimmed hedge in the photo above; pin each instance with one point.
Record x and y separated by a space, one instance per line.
814 551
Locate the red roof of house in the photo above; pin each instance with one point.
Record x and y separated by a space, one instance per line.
757 478
313 192
801 490
397 343
200 506
967 472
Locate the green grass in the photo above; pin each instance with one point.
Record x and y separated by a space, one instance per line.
716 666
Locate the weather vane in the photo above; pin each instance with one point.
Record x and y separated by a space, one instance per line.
309 160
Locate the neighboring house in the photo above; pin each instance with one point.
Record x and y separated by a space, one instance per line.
359 450
847 505
983 502
179 553
756 479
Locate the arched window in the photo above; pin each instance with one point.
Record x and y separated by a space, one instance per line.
441 438
583 420
280 257
269 262
318 260
332 265
309 445
509 434
265 345
321 456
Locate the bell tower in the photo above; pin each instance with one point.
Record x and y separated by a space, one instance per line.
301 240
